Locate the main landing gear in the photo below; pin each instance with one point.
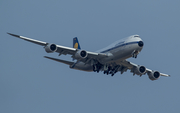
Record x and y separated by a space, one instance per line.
107 69
97 67
111 70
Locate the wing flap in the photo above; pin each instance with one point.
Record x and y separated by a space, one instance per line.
66 50
96 55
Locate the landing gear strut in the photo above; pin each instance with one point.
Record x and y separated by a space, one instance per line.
107 69
111 70
135 53
97 67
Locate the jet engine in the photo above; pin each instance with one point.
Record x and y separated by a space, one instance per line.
81 54
139 70
154 75
50 48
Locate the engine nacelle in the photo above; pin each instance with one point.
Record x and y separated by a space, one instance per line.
140 70
154 75
50 48
81 54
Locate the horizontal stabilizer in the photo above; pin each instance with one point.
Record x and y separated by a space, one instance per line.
59 60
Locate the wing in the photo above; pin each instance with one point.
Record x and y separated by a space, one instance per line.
80 55
141 70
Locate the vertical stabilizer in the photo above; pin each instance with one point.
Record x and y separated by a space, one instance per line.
76 43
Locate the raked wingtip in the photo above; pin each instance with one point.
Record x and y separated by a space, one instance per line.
13 34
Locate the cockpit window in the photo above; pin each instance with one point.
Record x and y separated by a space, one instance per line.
136 36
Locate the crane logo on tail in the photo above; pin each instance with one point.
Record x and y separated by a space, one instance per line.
76 44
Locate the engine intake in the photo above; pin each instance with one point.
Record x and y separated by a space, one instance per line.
154 75
140 70
50 48
81 54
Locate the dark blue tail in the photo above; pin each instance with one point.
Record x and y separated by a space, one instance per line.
76 43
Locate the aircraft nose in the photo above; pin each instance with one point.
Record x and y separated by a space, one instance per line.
140 43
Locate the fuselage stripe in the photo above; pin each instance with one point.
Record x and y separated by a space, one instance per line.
118 46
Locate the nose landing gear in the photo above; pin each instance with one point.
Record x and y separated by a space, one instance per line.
135 53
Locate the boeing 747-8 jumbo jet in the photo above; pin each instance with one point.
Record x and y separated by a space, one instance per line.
110 60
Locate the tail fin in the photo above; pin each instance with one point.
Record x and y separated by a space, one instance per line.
76 43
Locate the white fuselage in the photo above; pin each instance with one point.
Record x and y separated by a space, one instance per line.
117 52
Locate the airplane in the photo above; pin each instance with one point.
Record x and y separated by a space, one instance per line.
109 60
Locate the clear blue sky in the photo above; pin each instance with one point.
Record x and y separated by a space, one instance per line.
30 83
